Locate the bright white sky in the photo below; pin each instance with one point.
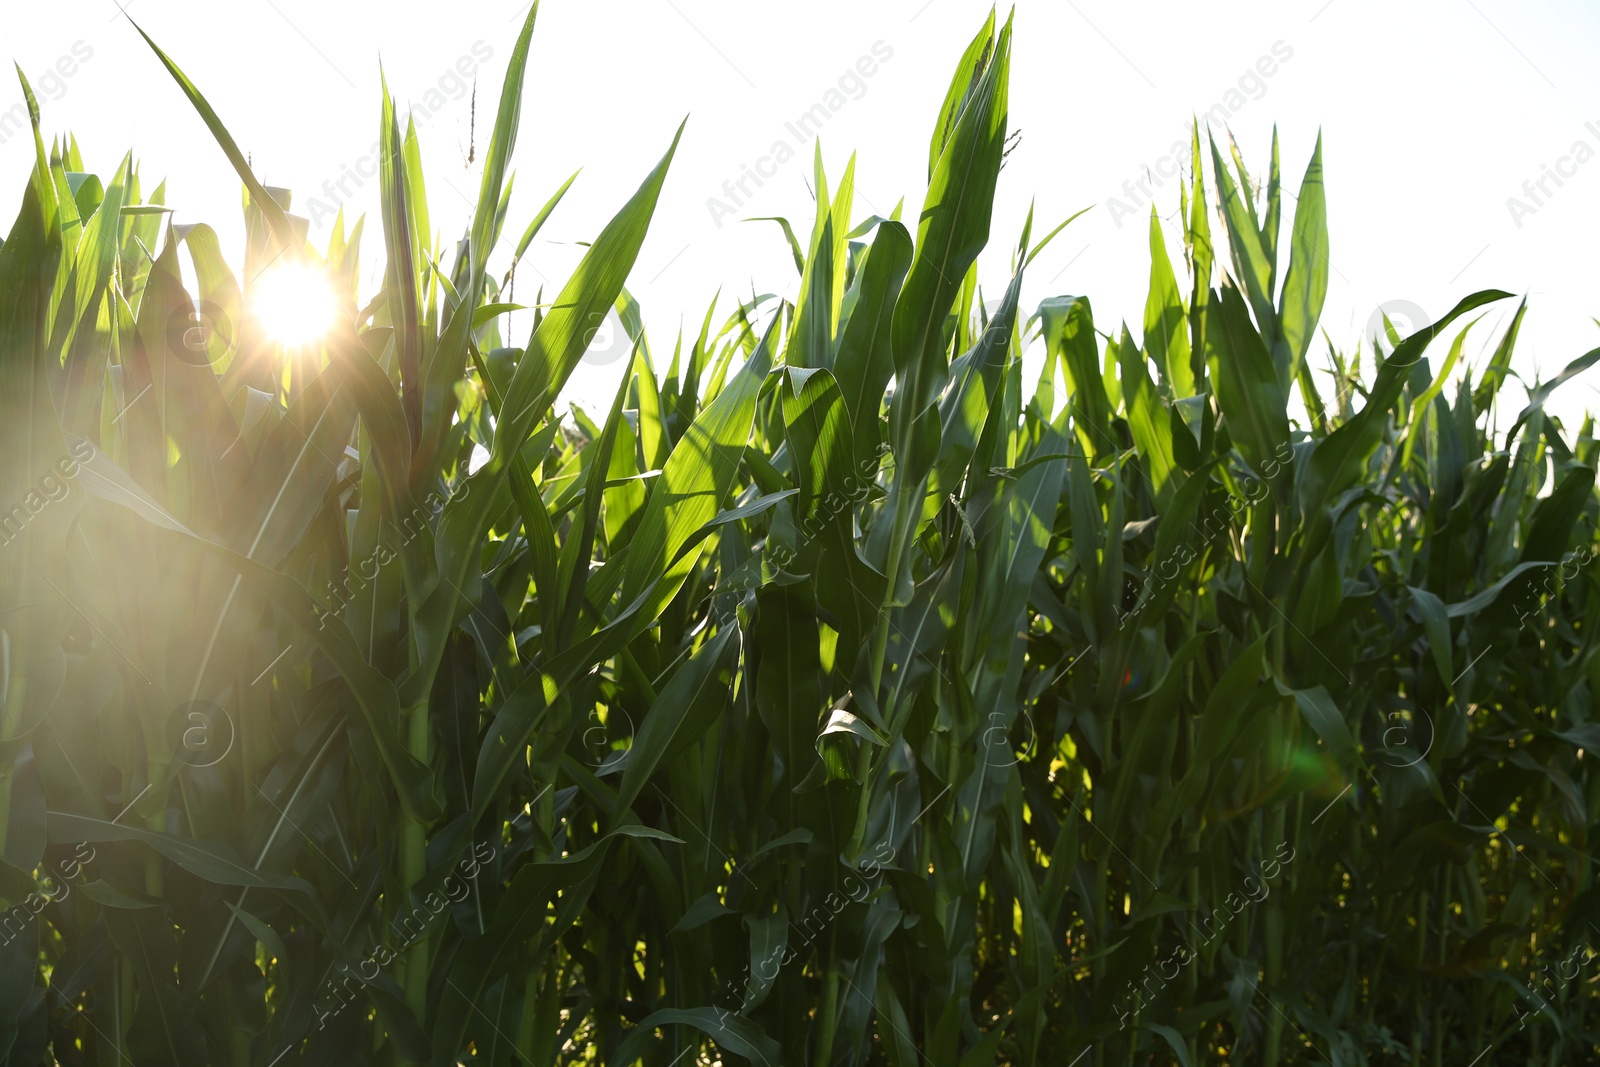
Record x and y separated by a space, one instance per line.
1434 113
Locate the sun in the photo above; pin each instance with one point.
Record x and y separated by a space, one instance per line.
294 304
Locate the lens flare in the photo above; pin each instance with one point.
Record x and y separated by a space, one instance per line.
293 304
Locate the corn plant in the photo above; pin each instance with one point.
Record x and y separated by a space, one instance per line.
839 697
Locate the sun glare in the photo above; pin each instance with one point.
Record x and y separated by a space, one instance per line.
293 303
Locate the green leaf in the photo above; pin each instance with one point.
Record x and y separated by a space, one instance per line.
1538 395
374 693
1166 335
578 549
963 82
1068 327
1338 459
1323 716
738 1035
1251 265
974 390
538 224
164 1028
259 930
811 337
1227 702
833 742
557 345
259 196
865 361
401 282
794 242
682 712
211 860
521 912
1436 624
1251 396
705 908
1174 1041
953 228
1305 286
697 478
1148 421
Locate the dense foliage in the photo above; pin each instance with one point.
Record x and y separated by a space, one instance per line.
836 699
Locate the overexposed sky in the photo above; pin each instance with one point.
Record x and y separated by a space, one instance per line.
1434 114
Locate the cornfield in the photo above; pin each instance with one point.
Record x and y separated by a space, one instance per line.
841 698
